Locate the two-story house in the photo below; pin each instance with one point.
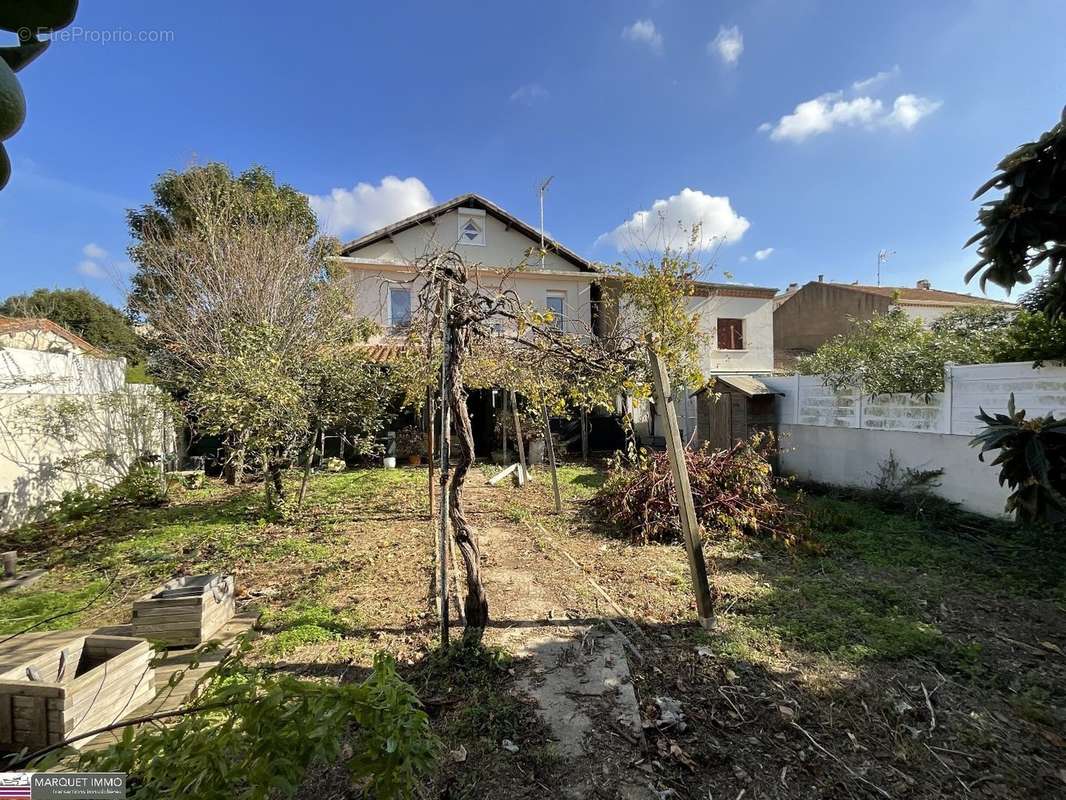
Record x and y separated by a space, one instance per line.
491 240
736 321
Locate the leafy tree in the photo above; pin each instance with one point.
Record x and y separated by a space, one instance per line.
1033 336
887 353
242 305
974 334
1026 227
83 313
191 201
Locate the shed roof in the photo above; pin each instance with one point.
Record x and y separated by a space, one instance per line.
745 384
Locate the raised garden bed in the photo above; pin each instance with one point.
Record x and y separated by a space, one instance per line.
185 611
92 682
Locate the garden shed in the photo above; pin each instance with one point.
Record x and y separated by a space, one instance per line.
731 408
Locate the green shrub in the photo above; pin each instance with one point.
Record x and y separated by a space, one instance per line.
1032 461
262 732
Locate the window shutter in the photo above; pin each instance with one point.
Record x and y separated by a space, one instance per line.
730 334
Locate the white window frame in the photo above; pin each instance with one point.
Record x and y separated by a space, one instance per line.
479 217
560 321
410 306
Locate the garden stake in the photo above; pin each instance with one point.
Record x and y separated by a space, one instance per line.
689 526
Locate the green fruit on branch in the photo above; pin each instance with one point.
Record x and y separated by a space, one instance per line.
12 102
36 15
5 167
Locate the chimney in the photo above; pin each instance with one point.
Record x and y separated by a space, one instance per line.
792 286
924 284
821 278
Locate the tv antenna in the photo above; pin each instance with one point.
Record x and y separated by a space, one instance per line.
540 191
882 257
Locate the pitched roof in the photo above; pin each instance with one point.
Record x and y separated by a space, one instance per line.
382 353
10 325
910 294
467 201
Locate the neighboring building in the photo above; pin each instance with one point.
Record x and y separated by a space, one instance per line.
42 335
486 236
807 317
67 417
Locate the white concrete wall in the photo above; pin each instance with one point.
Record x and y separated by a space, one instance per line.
927 314
67 421
758 315
851 457
843 437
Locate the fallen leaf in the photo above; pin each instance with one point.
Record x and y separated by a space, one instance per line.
509 746
458 755
1052 647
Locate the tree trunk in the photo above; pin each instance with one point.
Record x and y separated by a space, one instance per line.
309 454
235 452
476 604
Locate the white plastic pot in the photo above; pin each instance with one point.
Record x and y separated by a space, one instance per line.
389 462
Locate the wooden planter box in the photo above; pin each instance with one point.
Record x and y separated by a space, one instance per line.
92 682
185 611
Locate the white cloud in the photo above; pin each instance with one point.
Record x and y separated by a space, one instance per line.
875 80
909 109
668 222
366 207
728 45
94 251
762 255
643 32
90 269
822 114
832 110
90 266
529 94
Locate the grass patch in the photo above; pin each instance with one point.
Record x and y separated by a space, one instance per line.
21 609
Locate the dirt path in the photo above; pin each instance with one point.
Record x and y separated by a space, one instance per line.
572 665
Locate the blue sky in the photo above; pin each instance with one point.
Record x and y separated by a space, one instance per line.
812 133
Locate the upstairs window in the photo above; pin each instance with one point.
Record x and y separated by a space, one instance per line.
399 306
730 334
471 227
556 302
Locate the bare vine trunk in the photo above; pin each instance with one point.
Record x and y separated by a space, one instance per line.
476 604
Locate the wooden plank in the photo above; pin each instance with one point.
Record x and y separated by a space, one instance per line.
523 471
503 473
7 723
679 469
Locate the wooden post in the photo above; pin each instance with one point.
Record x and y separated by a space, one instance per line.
445 457
322 447
675 449
10 562
506 396
584 436
431 419
551 460
523 473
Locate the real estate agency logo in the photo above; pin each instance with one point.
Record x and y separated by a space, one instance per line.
15 785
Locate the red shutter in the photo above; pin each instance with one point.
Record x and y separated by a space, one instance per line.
730 334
